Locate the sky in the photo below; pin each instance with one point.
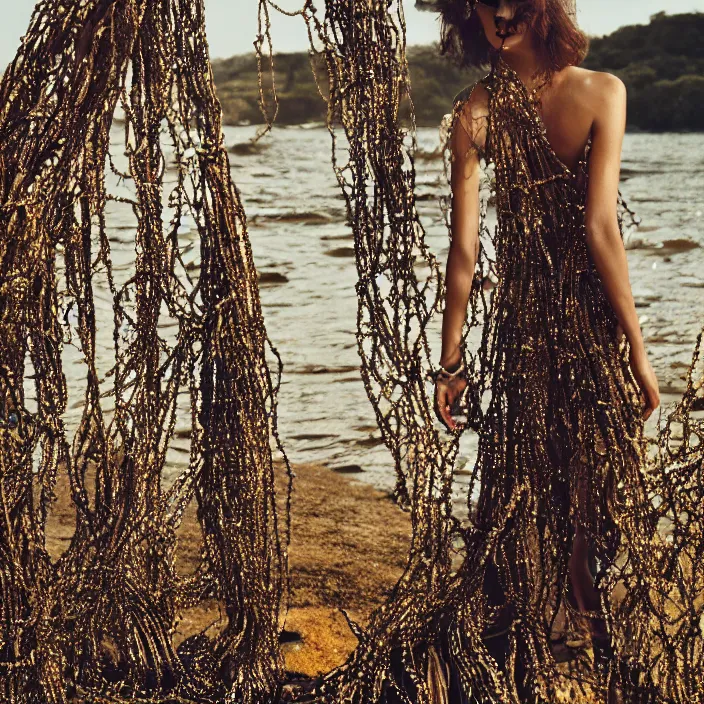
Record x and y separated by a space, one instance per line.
231 25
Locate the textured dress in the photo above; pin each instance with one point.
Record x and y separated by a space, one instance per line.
560 422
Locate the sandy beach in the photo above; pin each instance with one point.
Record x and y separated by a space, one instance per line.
349 543
348 546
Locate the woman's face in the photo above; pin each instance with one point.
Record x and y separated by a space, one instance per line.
497 20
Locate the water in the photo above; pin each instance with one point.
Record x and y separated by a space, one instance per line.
325 413
304 250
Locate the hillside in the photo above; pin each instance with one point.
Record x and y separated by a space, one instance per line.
238 89
661 63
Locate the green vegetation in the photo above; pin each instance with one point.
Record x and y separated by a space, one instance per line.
298 97
434 83
661 63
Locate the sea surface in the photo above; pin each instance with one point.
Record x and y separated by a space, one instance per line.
304 250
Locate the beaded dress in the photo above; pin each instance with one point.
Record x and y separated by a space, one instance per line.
561 436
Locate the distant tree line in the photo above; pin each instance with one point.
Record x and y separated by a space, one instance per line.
661 63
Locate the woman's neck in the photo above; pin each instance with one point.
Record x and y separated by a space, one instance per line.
526 60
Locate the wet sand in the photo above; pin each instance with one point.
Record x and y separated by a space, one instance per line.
348 547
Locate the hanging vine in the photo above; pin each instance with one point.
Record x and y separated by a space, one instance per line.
99 621
437 612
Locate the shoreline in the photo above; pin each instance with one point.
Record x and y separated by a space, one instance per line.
349 542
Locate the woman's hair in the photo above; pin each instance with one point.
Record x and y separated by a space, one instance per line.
462 36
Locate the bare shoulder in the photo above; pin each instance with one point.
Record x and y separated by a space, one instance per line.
474 100
471 107
596 91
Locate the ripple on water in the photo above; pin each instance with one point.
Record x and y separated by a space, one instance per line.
292 216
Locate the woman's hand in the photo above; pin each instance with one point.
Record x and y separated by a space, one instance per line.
647 381
447 394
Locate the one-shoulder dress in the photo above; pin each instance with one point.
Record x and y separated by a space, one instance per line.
561 440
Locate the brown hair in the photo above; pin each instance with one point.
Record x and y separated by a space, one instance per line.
462 35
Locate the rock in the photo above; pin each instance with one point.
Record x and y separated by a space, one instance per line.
341 252
678 244
370 441
666 247
248 148
348 469
272 277
290 637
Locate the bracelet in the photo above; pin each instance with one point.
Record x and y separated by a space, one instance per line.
443 373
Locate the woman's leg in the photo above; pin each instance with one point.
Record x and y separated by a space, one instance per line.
585 593
583 589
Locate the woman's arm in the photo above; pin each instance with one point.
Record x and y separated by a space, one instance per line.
604 239
464 246
461 261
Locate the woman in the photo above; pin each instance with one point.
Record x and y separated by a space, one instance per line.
562 358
